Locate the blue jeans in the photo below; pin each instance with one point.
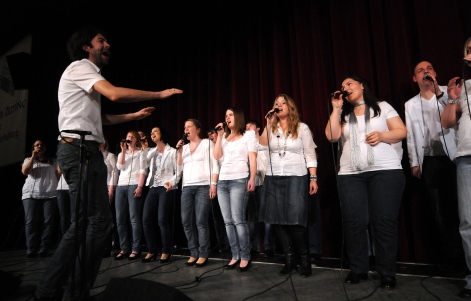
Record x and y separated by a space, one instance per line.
39 214
128 206
196 208
66 209
373 198
233 197
158 203
96 223
463 174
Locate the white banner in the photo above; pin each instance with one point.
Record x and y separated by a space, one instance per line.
13 110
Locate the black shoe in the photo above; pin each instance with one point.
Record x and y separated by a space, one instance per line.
121 255
153 257
200 265
268 253
354 278
165 260
134 256
43 253
388 282
316 256
231 266
305 269
190 263
465 293
288 268
246 268
31 255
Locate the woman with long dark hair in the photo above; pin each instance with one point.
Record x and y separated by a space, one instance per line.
370 180
237 151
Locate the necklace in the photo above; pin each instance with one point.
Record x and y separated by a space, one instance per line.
361 102
280 153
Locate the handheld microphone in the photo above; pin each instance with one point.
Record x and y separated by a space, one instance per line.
224 124
276 110
428 77
127 141
77 132
337 94
184 139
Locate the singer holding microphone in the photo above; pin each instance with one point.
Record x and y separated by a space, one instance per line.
162 180
132 166
431 150
457 113
39 200
370 180
236 149
80 89
200 175
291 175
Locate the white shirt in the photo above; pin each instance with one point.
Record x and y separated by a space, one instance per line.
199 165
134 165
290 157
110 162
42 182
62 183
385 155
79 104
235 159
464 123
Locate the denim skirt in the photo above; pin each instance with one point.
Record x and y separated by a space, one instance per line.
284 200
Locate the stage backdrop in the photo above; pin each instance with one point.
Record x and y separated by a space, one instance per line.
13 102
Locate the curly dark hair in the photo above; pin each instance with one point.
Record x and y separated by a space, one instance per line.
82 37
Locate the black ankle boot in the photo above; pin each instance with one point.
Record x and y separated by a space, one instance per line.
290 264
305 270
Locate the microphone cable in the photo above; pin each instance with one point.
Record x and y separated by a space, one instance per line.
465 89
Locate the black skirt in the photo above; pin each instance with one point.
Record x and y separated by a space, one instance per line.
284 200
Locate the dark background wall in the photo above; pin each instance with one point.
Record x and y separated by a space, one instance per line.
241 53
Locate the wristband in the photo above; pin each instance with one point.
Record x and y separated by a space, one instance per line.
452 101
139 187
214 183
313 177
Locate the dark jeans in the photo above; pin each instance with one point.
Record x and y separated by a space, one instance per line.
39 224
439 186
373 198
66 209
95 226
158 203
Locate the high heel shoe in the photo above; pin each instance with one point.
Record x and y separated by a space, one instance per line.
200 265
165 260
231 266
121 255
150 258
246 268
190 263
134 256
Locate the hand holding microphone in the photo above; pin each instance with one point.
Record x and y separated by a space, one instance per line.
182 141
271 113
337 94
220 126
